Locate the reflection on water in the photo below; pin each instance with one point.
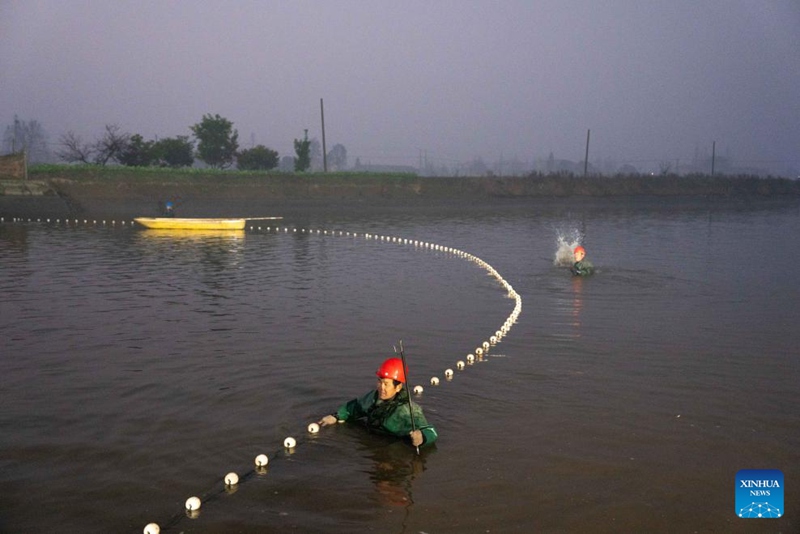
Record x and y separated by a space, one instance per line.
203 235
212 252
577 303
13 237
394 470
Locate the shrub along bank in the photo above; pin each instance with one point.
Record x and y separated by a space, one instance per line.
126 191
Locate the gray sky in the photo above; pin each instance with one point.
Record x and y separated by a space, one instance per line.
653 80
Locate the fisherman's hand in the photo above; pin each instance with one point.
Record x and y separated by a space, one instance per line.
328 420
416 438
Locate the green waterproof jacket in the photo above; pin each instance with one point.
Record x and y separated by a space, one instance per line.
582 268
387 417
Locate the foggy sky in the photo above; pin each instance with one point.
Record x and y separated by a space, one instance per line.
450 80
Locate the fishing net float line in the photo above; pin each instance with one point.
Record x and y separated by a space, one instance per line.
479 353
232 479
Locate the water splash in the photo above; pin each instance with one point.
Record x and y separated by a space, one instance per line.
566 241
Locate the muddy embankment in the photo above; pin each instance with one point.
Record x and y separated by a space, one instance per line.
120 195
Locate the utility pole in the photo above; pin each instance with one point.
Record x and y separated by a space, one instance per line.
14 139
324 152
713 156
586 157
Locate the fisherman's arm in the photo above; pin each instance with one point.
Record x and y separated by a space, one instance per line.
344 413
400 425
427 432
352 409
423 436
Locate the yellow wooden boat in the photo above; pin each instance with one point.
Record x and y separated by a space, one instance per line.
182 223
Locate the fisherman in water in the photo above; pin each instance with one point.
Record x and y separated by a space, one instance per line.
388 409
581 267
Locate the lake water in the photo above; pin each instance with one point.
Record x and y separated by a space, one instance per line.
139 367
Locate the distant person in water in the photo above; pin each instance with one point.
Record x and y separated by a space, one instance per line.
582 266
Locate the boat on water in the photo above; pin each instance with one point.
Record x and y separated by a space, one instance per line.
182 223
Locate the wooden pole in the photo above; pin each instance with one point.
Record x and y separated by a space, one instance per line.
324 151
586 157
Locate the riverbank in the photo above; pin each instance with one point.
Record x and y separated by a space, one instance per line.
120 192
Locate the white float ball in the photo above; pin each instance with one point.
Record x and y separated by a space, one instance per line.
262 460
152 528
231 479
434 381
313 428
479 351
485 345
417 389
193 503
460 365
470 358
289 443
448 373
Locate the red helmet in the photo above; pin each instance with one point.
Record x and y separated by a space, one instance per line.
392 368
579 249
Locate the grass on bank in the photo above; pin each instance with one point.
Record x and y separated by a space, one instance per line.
534 184
159 174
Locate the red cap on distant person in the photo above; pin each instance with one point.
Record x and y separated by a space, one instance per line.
579 249
392 368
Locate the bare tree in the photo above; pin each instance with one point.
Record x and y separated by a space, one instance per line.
28 136
73 149
111 145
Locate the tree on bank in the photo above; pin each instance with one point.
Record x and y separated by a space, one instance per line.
27 136
337 157
303 150
217 141
73 149
109 147
137 153
258 158
286 164
315 154
174 152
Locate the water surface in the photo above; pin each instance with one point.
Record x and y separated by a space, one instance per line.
138 368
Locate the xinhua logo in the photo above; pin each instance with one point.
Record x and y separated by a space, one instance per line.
759 493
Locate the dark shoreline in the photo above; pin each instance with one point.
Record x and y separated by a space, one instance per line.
54 207
120 194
